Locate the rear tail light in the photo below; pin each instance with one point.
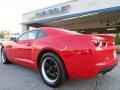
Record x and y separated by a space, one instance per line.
100 43
104 43
111 42
96 43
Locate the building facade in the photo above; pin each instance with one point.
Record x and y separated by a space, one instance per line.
88 16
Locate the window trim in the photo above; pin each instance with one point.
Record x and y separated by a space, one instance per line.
45 34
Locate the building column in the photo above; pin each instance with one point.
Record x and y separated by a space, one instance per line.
25 27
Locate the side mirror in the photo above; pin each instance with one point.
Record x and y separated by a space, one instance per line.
14 39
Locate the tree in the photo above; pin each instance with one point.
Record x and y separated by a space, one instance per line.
4 33
1 35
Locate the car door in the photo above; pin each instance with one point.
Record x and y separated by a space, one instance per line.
24 47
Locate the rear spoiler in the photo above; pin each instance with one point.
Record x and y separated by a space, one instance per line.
105 36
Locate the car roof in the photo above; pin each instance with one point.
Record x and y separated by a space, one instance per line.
57 31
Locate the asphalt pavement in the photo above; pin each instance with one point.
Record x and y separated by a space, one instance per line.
17 77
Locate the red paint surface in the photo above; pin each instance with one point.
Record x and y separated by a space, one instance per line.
81 57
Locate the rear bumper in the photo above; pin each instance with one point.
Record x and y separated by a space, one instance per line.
105 70
89 65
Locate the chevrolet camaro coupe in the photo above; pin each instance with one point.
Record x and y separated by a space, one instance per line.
60 54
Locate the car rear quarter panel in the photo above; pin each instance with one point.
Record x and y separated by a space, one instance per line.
68 47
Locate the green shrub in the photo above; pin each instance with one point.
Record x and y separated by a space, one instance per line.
117 39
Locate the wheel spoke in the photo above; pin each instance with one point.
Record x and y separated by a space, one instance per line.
51 69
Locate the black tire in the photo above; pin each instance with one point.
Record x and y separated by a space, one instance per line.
56 75
4 58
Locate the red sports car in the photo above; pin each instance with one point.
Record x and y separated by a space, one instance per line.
60 54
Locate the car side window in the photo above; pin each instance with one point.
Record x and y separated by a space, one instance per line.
28 36
40 34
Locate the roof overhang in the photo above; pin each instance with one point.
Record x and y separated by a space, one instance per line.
111 10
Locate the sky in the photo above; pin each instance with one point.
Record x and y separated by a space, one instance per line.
11 12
